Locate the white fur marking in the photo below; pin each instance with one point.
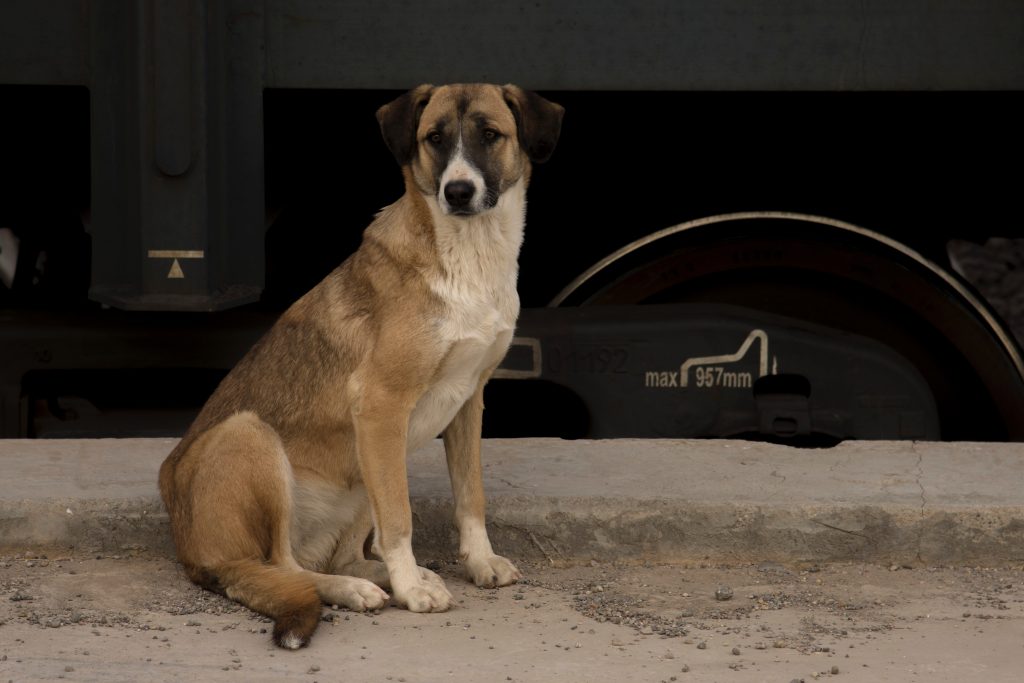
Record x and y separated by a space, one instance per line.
459 168
401 564
291 641
473 540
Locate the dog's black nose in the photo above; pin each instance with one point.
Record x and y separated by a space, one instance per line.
459 193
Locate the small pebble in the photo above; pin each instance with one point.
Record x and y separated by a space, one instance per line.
313 669
686 668
735 650
702 645
835 670
723 593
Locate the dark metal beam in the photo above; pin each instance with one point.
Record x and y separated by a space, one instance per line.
178 216
650 45
45 42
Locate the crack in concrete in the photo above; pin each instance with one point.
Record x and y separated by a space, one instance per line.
509 484
533 539
845 531
924 502
920 473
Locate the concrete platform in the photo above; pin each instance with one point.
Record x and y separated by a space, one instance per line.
618 500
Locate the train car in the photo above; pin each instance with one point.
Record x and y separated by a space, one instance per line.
750 228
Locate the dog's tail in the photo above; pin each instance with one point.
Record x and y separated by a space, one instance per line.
285 595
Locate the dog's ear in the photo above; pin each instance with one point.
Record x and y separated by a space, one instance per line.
398 121
539 121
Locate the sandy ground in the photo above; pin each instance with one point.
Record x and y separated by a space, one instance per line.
135 618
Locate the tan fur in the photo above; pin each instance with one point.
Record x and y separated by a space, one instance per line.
300 453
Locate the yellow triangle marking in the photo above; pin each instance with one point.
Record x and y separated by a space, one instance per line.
175 272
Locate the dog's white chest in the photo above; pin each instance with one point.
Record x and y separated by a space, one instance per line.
477 328
454 384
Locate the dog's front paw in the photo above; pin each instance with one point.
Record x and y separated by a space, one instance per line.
491 571
429 595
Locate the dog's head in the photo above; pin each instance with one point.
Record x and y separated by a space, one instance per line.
466 144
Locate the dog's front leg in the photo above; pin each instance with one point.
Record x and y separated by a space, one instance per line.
381 427
462 448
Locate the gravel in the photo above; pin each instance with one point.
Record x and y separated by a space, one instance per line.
823 612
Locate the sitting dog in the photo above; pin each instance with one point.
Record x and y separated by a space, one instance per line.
299 456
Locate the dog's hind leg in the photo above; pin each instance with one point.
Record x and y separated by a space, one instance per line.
230 503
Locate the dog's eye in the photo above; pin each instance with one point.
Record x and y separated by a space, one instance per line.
490 134
434 138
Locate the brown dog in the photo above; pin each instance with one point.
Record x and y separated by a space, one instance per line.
301 451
